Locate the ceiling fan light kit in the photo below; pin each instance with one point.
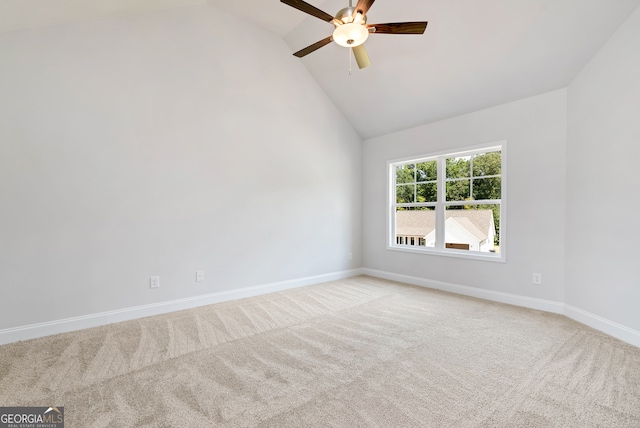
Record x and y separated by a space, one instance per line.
350 35
351 29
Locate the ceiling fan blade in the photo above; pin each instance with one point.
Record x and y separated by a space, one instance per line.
362 7
362 57
400 28
313 47
307 8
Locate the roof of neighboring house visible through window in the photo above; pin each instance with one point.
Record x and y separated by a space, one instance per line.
422 222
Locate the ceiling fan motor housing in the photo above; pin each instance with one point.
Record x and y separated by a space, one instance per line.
346 16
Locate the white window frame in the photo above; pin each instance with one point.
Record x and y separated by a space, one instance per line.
441 204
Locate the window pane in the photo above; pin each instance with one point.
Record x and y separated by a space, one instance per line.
473 228
405 173
487 164
405 194
458 190
427 171
427 192
458 167
416 226
486 188
464 188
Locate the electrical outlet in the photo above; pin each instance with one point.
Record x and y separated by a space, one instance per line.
154 282
537 278
199 276
350 256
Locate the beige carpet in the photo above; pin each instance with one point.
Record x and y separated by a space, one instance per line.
358 352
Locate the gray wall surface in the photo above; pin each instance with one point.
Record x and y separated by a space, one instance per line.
150 145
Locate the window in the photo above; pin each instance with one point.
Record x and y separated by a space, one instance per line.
451 204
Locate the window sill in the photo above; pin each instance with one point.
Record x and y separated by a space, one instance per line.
474 255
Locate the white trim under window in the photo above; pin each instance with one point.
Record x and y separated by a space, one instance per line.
449 203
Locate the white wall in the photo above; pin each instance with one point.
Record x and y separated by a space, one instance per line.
603 181
161 144
535 130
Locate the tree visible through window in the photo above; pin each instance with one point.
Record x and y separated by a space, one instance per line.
450 203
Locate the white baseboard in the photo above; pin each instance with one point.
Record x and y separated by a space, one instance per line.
33 331
611 328
495 296
604 325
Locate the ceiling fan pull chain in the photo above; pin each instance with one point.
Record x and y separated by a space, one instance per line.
349 50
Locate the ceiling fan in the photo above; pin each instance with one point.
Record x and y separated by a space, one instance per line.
351 29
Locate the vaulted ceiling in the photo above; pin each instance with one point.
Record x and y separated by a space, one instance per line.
474 54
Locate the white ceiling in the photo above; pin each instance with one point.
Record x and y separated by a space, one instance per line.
23 14
474 54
